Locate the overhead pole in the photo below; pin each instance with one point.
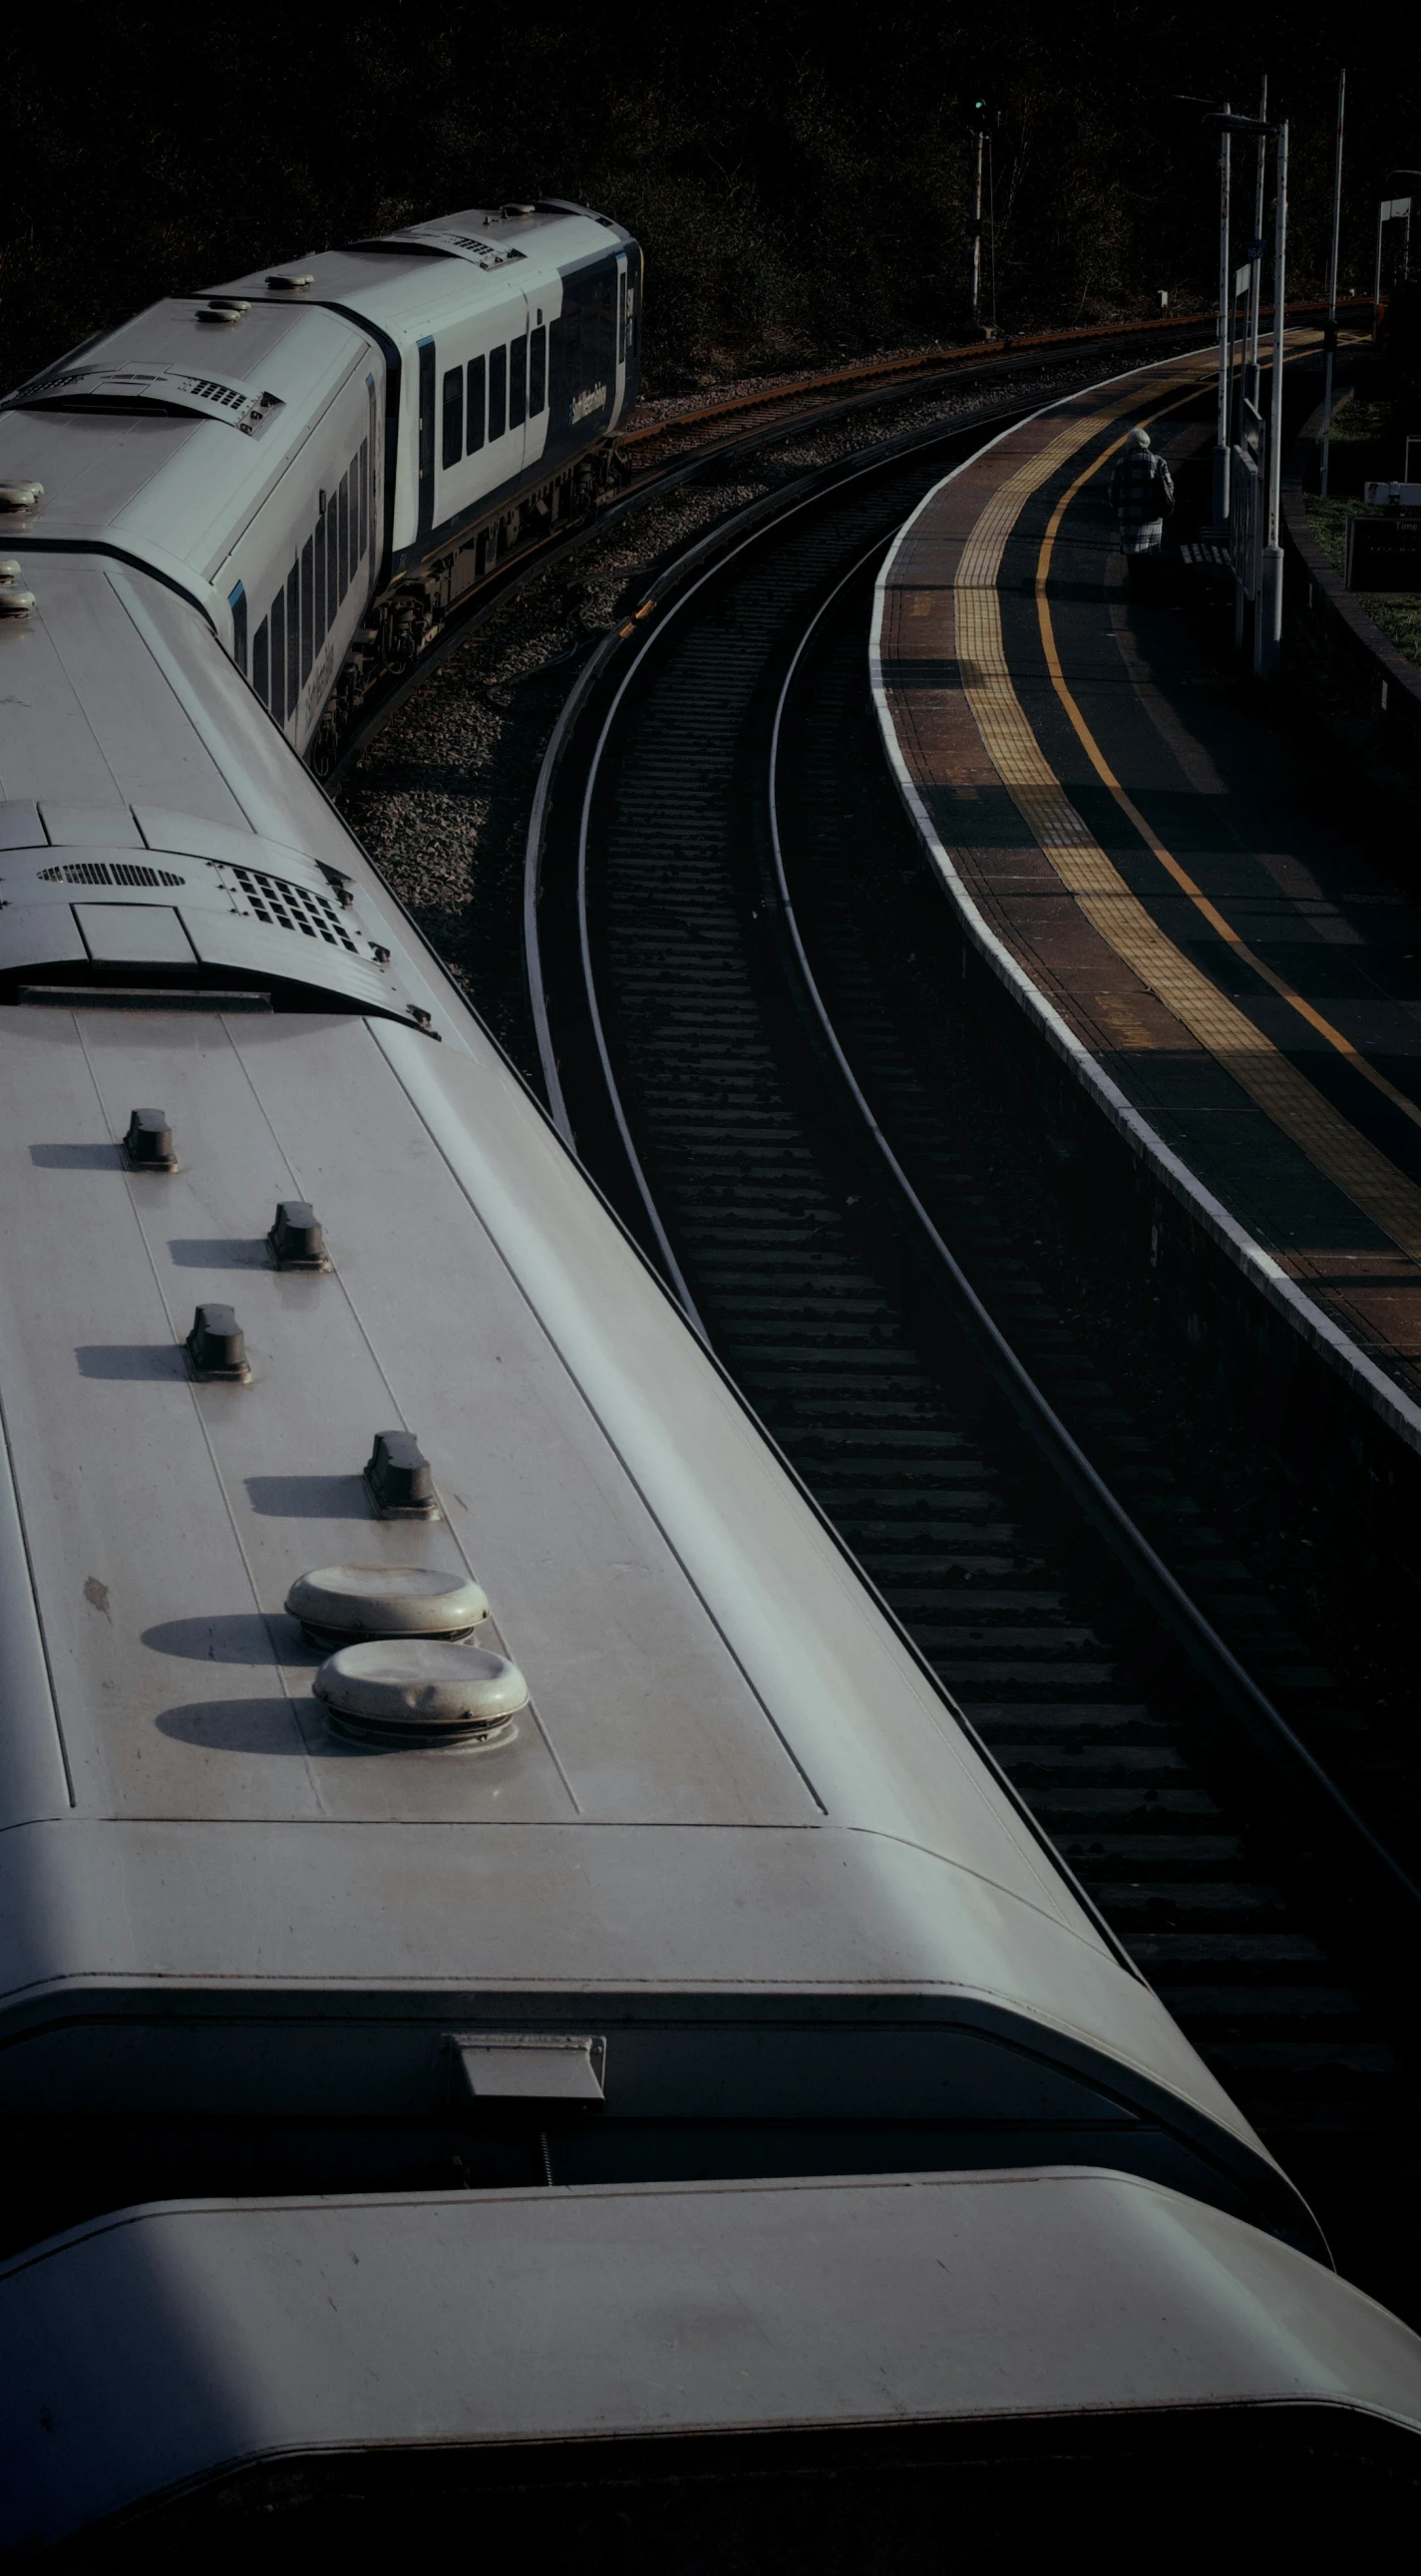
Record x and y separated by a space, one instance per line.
1221 440
978 110
1271 622
1252 371
1251 377
1331 336
1268 623
992 224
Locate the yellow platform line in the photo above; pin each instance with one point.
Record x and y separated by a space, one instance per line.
1209 911
1263 1072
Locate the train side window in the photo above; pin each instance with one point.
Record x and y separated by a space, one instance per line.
621 316
364 496
476 404
497 392
343 534
261 665
322 611
237 602
278 657
353 485
308 620
517 382
293 638
453 447
332 560
537 371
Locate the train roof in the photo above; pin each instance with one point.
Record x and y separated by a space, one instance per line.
164 2348
164 437
426 275
734 1780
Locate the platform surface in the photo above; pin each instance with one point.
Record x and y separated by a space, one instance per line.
1201 898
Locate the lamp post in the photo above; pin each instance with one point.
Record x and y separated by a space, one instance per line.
1226 315
1268 625
1331 333
1271 601
1227 124
979 111
1255 283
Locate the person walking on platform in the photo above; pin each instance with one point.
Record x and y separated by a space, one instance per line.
1141 490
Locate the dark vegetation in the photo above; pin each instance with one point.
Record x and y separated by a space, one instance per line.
1370 431
798 176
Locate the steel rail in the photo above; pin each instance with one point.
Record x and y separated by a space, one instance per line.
1151 1579
1366 1898
757 518
957 359
722 557
503 585
1213 1659
901 380
673 1273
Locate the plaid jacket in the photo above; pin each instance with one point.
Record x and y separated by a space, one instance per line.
1141 489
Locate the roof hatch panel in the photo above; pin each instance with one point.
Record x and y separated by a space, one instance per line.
290 927
99 387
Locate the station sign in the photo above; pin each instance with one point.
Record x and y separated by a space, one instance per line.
1383 554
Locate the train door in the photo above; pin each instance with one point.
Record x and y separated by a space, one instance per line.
514 321
425 443
370 490
621 337
499 395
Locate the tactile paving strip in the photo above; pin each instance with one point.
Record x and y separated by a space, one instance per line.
946 572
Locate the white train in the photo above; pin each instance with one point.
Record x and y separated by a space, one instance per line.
326 458
515 1987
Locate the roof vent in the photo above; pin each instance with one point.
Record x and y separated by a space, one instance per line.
149 1142
102 872
346 1605
15 599
520 210
410 1690
222 308
20 496
283 905
296 1241
215 1346
289 285
398 1480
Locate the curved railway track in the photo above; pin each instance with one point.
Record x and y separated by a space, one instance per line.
711 437
657 457
723 899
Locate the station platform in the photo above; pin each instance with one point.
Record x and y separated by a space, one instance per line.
1198 897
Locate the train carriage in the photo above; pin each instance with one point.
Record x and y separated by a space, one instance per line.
506 1954
326 458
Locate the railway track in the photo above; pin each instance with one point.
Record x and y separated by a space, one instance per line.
659 457
725 903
